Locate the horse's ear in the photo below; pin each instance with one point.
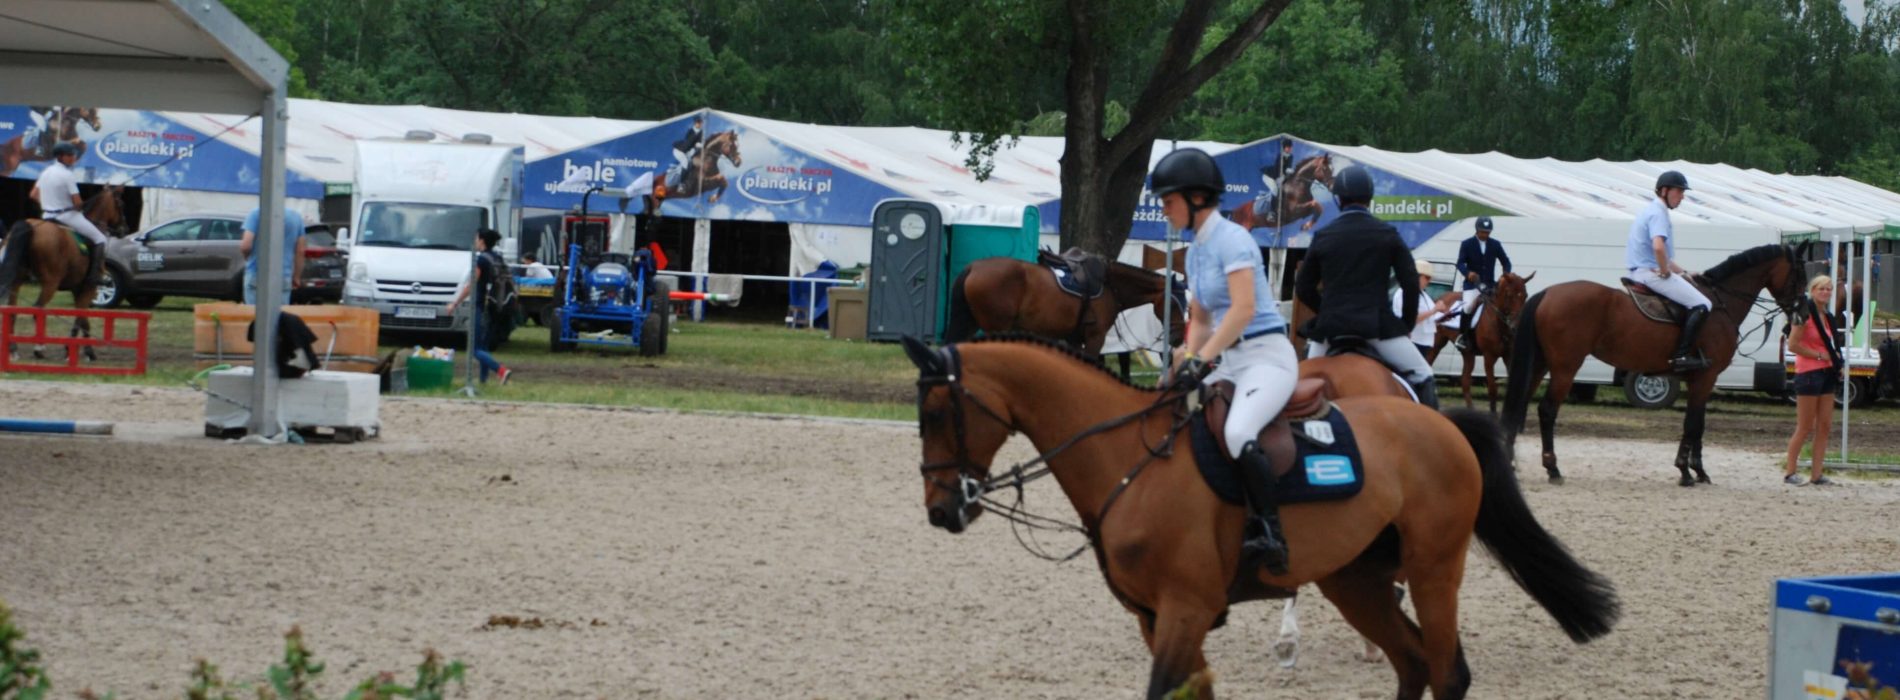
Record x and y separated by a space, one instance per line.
926 359
1529 277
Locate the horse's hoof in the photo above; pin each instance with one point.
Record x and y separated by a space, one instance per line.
1686 482
1286 652
1703 479
1556 480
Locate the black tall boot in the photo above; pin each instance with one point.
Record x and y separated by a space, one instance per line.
1465 342
95 262
1265 545
1687 359
1427 393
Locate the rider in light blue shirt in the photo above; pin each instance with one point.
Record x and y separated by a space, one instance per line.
1232 317
292 251
1650 256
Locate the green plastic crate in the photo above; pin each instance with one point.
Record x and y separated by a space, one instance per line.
425 373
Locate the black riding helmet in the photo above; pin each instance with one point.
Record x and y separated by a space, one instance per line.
1671 178
1353 185
64 149
1484 223
1187 170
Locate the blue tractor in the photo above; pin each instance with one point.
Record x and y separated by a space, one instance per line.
606 299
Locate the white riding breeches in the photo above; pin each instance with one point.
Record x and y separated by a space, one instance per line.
1396 351
1676 288
1263 371
1471 298
76 221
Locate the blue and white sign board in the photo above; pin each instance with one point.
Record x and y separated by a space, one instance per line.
1279 189
1835 638
735 173
123 146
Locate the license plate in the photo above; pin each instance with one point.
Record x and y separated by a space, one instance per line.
415 312
336 274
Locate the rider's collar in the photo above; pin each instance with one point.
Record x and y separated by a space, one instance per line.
1355 207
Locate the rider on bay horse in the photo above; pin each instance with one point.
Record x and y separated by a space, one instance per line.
1478 257
1355 257
1232 316
58 193
1650 257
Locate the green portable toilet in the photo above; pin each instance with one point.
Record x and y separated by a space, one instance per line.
919 247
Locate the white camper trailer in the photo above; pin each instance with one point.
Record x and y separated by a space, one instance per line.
418 205
1562 250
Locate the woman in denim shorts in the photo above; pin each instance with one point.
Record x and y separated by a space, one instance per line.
1817 375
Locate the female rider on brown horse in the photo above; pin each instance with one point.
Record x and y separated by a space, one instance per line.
1232 316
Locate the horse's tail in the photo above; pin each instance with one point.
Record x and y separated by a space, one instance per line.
1582 601
1526 366
19 241
962 324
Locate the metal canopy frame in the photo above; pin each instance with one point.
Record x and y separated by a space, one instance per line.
188 55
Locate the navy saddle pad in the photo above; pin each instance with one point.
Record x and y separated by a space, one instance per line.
1322 472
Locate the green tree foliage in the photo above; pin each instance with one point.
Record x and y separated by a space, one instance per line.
1781 85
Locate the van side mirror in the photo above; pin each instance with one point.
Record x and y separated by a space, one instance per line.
343 238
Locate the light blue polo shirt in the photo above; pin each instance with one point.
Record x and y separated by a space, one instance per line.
1221 247
293 230
1651 222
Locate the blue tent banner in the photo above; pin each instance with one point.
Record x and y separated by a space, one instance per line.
1279 189
736 173
120 146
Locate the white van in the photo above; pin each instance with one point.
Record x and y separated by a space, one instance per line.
418 205
1592 249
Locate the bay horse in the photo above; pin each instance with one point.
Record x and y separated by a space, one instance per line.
1562 325
1296 199
1170 553
1345 375
52 256
1492 331
702 172
995 295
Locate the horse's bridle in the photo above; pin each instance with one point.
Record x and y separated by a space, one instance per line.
973 487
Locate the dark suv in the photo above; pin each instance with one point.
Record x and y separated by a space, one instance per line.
197 256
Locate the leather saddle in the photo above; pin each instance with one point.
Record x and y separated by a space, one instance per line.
1309 402
1078 272
1656 306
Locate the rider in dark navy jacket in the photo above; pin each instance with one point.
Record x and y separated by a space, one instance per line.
1478 257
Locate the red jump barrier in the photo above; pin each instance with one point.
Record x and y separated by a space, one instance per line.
106 336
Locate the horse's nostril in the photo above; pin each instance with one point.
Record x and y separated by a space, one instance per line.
939 518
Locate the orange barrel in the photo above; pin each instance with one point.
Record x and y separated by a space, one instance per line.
221 339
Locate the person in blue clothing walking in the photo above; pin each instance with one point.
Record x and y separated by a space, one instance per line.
1232 316
292 253
1478 258
1650 257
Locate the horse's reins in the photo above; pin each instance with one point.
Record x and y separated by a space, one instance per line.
1023 473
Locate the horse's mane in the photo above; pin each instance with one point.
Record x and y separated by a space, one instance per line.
1064 349
1744 260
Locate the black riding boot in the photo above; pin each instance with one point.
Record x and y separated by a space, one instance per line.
1687 359
95 262
1427 393
1466 343
1264 545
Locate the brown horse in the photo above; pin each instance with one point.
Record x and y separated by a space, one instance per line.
994 295
702 172
52 256
62 127
1497 320
1170 553
1568 322
1345 375
1296 198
